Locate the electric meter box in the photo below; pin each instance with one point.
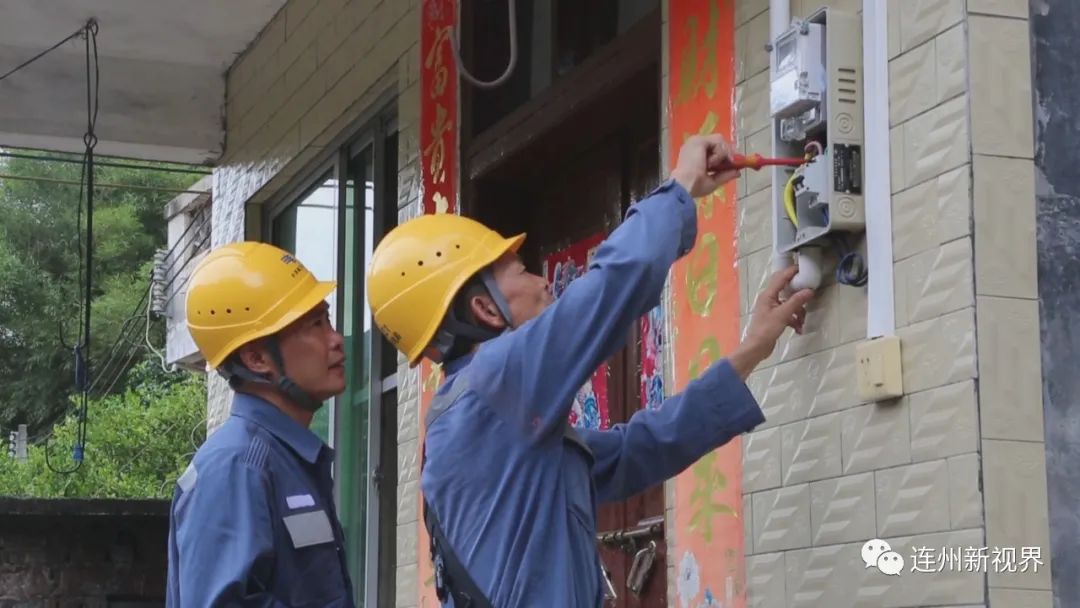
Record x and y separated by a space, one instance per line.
816 105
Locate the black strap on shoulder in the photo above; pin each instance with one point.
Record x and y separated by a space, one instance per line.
452 579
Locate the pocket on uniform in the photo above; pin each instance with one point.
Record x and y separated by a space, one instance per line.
316 562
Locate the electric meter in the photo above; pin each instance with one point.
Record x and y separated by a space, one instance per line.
798 78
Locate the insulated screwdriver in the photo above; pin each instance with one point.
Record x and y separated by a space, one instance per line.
756 161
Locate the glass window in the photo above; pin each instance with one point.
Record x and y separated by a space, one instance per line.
368 452
333 227
353 414
308 229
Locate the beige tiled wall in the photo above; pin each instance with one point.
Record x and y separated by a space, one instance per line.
318 68
959 460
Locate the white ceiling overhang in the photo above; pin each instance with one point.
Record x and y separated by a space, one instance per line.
162 74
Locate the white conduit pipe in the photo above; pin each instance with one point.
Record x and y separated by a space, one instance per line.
809 258
779 19
880 313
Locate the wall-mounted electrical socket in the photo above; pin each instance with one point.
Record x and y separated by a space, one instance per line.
816 103
879 369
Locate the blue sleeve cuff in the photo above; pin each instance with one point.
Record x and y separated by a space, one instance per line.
688 214
736 404
686 208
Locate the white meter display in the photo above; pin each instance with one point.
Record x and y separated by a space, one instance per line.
798 76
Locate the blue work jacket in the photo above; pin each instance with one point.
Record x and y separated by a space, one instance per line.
253 520
514 486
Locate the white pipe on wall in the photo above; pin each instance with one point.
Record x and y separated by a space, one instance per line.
880 314
779 17
779 20
809 258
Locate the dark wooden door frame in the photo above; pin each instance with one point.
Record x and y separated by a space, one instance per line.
620 70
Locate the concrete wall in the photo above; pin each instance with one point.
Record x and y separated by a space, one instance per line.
959 460
1057 89
87 553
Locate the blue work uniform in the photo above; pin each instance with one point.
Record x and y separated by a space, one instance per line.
253 520
514 487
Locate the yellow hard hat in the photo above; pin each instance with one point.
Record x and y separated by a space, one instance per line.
418 268
244 291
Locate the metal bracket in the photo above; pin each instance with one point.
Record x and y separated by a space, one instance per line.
627 539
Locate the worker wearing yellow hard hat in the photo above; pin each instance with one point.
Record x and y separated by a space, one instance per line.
510 489
253 518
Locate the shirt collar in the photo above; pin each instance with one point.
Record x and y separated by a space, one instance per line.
277 423
456 365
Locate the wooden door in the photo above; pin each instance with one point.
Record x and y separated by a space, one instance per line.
572 191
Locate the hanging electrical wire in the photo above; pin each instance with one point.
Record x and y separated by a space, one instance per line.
114 367
168 286
86 279
113 164
79 32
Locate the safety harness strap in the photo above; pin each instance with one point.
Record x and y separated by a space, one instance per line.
452 579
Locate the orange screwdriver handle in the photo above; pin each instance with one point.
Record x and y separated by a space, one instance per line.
756 162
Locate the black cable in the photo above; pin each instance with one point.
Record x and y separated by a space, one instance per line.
114 165
135 347
82 351
181 269
123 336
78 240
52 48
201 224
136 312
850 268
90 139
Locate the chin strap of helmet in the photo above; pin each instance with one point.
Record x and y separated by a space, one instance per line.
488 278
234 371
454 329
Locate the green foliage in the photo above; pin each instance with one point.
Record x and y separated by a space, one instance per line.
40 286
138 442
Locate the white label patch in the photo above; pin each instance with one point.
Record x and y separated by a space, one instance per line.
311 528
187 480
299 501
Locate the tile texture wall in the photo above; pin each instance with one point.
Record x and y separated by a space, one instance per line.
319 67
959 460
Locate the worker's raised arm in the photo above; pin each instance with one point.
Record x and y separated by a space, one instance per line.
532 372
657 444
